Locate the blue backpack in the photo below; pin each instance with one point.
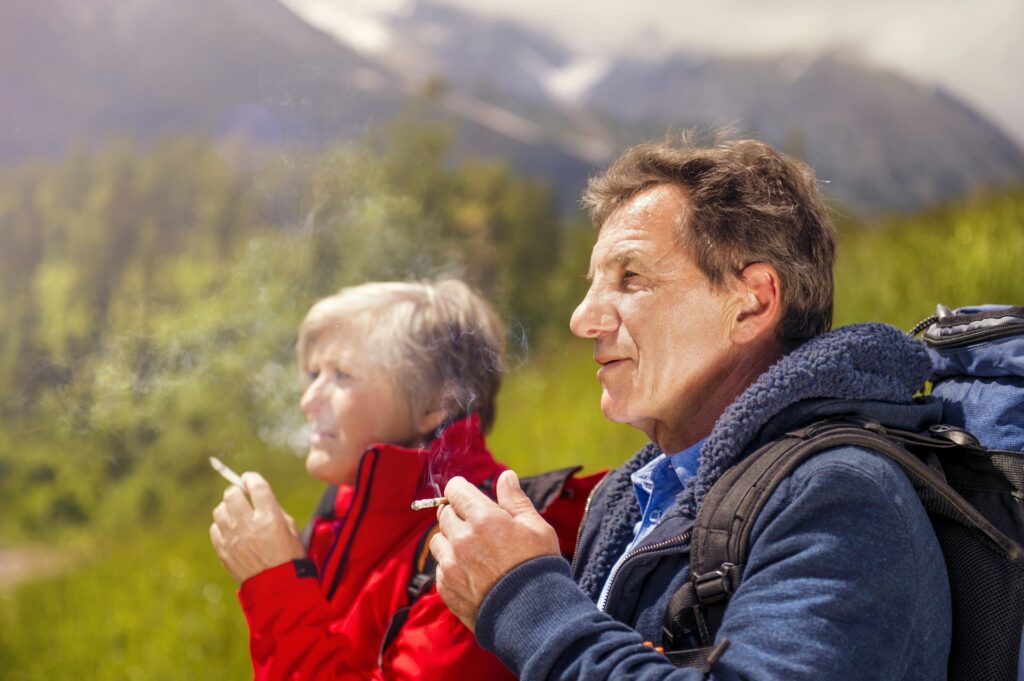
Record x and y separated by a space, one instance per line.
978 359
968 472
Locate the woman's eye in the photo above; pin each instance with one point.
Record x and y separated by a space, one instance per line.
313 375
340 375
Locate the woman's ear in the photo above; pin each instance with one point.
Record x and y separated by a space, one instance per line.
432 420
449 403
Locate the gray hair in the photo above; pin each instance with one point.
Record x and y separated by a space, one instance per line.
440 343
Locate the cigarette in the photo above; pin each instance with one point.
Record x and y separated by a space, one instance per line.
228 474
421 504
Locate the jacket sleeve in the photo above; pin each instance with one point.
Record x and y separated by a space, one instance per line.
291 637
839 578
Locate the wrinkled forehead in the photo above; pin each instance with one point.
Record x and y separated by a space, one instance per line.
647 227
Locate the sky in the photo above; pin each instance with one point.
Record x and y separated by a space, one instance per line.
974 48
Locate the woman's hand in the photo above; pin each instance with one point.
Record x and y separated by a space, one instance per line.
252 538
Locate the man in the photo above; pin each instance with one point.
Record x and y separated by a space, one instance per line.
709 307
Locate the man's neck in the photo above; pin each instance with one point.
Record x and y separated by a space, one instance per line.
693 427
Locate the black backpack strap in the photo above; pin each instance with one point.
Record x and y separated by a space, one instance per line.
991 566
721 532
545 488
423 573
720 536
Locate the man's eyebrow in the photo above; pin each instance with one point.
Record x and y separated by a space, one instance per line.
622 256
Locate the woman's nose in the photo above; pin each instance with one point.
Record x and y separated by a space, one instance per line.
311 397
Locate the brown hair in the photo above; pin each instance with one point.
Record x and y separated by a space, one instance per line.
439 343
745 203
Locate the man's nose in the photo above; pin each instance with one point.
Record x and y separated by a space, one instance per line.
593 317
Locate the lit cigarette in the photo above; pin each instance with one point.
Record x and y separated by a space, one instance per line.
228 474
421 504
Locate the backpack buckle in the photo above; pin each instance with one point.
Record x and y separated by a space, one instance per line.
957 436
714 586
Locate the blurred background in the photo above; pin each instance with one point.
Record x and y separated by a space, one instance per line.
179 181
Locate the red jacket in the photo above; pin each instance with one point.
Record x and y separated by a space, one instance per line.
326 617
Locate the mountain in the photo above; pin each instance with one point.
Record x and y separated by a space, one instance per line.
74 71
878 138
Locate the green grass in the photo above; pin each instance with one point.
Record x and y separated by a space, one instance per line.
151 605
152 602
155 603
962 254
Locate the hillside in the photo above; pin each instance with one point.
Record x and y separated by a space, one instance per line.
72 72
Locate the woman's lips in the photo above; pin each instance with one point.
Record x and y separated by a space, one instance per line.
317 437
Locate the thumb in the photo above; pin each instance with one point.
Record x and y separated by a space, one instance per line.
291 523
511 496
262 496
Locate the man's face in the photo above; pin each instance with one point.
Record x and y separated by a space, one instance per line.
661 333
350 404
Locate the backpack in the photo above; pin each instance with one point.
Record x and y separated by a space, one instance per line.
968 473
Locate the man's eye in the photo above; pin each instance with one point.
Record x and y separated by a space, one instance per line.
313 375
340 375
628 275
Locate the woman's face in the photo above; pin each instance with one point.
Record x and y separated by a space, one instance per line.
350 403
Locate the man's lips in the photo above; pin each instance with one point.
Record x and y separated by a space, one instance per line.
608 363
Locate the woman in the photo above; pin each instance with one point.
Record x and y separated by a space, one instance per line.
401 383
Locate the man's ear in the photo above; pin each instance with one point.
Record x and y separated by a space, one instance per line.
758 305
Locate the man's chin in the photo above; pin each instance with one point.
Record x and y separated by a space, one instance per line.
613 411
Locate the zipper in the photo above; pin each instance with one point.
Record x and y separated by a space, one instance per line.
583 520
356 520
969 337
922 325
652 548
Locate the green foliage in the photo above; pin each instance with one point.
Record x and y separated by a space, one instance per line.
148 306
960 254
150 299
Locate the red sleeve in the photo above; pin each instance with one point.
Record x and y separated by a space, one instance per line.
291 637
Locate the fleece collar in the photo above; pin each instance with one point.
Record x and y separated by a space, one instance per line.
869 368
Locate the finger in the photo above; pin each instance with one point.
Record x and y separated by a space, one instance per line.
466 500
440 548
217 539
262 496
222 518
449 521
291 524
236 503
511 496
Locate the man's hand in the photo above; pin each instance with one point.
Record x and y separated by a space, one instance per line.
480 541
251 539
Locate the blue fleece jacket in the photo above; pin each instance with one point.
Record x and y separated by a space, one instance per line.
845 579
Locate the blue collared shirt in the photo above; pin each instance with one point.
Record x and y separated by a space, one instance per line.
656 486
